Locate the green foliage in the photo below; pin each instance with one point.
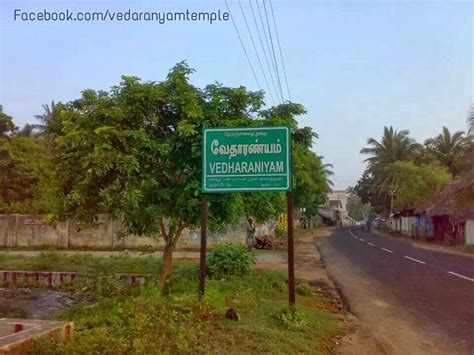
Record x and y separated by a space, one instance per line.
304 289
280 231
414 184
292 318
310 179
262 206
135 153
6 125
230 259
394 146
82 262
451 150
138 320
25 181
470 120
356 209
141 324
310 176
397 163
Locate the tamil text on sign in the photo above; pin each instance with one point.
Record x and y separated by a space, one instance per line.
246 159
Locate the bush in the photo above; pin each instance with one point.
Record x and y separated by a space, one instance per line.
141 324
304 289
280 231
292 318
229 259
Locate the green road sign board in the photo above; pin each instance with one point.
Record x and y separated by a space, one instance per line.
246 159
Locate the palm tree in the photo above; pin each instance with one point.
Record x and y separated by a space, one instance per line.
394 146
470 120
50 126
450 149
45 117
327 172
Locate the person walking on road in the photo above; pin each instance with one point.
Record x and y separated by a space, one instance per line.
369 225
250 227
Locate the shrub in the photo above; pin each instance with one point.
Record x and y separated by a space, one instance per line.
292 318
280 231
304 289
229 259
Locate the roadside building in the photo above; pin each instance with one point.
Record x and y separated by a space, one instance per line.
403 221
451 224
335 208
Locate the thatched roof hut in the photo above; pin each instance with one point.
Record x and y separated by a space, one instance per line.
446 202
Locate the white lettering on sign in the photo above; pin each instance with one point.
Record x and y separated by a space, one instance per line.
232 150
263 167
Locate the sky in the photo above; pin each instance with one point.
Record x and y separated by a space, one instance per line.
356 66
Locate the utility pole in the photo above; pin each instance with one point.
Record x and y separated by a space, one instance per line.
392 193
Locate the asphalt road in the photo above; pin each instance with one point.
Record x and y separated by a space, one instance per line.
413 300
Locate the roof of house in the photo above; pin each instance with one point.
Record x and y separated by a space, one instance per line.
325 213
409 212
445 202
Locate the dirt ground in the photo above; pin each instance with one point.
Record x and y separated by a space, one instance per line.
310 266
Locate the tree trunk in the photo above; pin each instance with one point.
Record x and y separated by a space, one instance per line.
167 265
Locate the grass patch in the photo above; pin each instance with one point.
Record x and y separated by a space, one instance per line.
138 320
83 263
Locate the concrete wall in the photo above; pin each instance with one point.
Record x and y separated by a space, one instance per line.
29 231
470 232
403 225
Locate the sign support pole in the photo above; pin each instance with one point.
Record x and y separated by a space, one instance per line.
202 260
291 253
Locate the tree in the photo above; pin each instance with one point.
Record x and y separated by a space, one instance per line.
394 146
450 149
50 126
23 175
356 209
311 181
135 153
311 177
415 184
6 125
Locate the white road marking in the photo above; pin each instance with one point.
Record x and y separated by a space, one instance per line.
415 260
371 244
387 250
361 239
461 276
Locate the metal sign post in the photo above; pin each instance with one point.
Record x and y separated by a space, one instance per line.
247 159
291 252
202 258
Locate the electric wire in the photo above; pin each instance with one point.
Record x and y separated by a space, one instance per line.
263 48
243 46
279 48
273 49
256 51
268 45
